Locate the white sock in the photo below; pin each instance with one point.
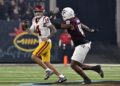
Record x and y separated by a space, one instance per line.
48 69
61 76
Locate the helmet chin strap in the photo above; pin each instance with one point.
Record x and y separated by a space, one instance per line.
38 15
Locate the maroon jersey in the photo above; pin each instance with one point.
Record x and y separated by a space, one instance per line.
77 33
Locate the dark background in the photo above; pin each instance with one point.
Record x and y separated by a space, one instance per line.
96 14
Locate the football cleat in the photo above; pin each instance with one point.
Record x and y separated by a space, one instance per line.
87 81
99 70
61 80
48 74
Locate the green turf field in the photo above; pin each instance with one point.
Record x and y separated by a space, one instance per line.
26 75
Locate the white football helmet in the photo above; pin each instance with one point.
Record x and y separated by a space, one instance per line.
67 13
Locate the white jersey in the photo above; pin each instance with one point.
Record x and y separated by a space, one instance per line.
40 25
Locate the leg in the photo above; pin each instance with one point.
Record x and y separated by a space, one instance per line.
75 66
39 51
39 61
62 78
37 54
96 68
46 60
48 64
78 57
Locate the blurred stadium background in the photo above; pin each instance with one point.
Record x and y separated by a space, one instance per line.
16 47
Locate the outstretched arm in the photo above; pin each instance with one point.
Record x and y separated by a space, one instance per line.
87 28
61 25
66 26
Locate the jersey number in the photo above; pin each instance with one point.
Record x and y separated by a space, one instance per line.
38 30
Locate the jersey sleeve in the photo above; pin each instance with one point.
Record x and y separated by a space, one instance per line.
47 21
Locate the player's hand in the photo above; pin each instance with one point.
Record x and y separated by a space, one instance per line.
94 30
44 39
25 25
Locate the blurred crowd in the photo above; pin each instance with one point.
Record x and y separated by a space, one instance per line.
11 10
17 10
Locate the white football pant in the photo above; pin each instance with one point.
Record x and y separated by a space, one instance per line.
80 52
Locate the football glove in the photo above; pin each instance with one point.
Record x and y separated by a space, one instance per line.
94 30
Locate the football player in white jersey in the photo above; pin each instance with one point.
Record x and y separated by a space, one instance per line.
45 29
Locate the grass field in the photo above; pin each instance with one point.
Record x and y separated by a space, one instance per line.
32 75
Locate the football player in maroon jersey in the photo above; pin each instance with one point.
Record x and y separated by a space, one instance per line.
76 29
82 46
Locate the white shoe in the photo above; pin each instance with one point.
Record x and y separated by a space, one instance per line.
48 74
61 80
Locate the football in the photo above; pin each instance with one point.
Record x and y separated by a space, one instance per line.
25 24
